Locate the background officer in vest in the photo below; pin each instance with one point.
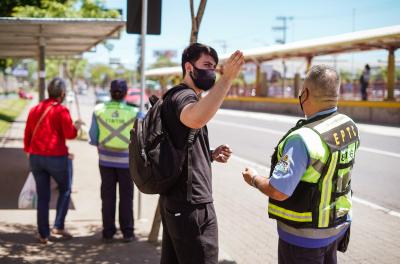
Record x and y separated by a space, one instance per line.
109 131
309 185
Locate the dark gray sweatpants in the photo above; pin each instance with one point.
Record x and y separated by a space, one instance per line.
190 233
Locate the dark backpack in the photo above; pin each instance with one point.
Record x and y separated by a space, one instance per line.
154 163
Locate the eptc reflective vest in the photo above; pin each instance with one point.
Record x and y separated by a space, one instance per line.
115 119
322 198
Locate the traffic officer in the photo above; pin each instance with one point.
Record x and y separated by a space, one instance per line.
309 185
109 131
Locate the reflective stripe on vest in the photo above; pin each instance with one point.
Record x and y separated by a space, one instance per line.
115 120
326 190
290 215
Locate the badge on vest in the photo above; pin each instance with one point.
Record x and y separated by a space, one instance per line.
115 114
283 164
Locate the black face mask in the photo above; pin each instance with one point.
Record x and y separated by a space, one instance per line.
203 78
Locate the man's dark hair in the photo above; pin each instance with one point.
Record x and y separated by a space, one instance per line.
193 53
56 87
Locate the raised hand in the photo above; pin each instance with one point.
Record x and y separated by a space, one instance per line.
233 65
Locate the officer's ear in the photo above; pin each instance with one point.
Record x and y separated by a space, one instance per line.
305 93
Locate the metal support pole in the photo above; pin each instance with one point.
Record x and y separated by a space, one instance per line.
296 84
284 77
155 227
42 68
142 78
142 63
258 79
309 60
391 75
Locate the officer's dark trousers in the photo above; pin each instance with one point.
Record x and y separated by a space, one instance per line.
190 233
109 179
291 254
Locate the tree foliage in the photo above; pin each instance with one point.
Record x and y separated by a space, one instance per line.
7 6
68 8
101 74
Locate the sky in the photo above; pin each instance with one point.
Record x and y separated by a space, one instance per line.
229 25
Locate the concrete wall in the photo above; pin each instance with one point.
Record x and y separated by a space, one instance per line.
382 113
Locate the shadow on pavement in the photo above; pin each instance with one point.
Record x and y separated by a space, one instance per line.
14 169
20 246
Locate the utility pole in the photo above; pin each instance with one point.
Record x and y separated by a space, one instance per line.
223 44
283 28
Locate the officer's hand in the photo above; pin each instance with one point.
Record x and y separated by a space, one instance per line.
222 153
248 174
71 156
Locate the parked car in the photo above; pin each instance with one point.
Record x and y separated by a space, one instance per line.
133 97
102 96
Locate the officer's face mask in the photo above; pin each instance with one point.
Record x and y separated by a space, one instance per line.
204 79
302 102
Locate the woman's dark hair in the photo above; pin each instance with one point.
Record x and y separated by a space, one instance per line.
56 87
193 53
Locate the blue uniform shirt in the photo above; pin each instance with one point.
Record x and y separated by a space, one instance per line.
94 132
286 179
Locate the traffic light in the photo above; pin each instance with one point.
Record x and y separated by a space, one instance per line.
134 17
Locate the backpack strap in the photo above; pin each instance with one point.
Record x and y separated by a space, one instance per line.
189 145
41 119
190 141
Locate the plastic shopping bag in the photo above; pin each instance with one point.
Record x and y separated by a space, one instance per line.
28 198
83 133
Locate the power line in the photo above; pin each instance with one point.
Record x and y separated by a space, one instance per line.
282 28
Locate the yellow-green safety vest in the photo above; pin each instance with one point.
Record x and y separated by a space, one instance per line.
115 119
322 198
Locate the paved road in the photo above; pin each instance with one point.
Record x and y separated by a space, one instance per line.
375 178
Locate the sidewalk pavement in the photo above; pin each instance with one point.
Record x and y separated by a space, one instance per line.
18 227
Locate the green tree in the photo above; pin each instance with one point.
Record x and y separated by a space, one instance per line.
345 76
163 61
67 8
101 74
7 6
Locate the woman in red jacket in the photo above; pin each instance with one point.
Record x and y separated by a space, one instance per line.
48 126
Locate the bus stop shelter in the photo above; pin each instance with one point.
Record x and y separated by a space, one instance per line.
40 38
386 38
